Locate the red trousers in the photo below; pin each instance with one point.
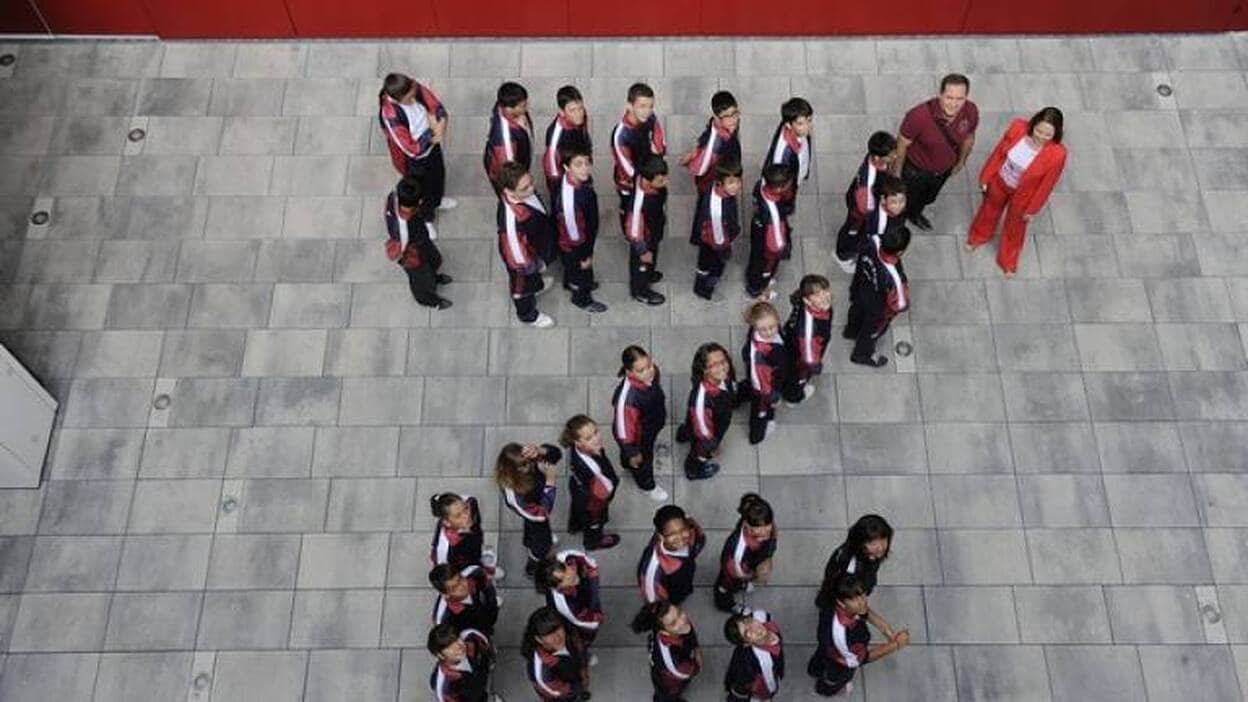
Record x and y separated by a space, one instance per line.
1000 197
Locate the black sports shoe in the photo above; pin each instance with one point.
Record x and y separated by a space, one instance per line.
443 279
874 362
921 221
593 307
650 297
441 304
706 470
655 276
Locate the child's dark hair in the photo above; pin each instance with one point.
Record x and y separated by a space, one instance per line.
439 575
838 588
396 85
512 470
409 192
868 528
511 94
652 167
510 173
542 622
572 430
728 168
571 147
759 310
895 239
754 510
794 108
631 354
732 628
639 90
665 514
702 356
811 284
546 574
775 175
887 185
440 637
648 617
722 101
441 502
568 94
881 144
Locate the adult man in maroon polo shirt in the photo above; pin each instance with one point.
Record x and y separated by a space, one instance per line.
933 143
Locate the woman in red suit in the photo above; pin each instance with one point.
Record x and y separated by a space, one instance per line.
1018 178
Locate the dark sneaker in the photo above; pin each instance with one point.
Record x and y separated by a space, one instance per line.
706 470
593 307
656 276
875 362
607 541
650 297
443 279
921 222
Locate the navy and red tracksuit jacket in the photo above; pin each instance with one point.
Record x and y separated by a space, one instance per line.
717 221
859 198
576 215
630 142
793 152
644 218
508 140
755 671
673 660
710 414
521 226
456 548
406 236
741 556
668 575
405 147
807 332
469 680
477 611
640 413
844 640
772 210
580 606
591 481
559 130
556 677
714 146
766 362
880 283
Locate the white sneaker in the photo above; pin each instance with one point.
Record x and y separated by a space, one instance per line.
554 539
448 203
489 557
749 587
593 659
772 428
499 574
543 321
498 600
808 390
658 494
847 266
548 282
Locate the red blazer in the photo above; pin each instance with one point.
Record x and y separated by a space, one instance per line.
1039 178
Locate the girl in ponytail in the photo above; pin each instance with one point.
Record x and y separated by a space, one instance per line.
675 657
747 553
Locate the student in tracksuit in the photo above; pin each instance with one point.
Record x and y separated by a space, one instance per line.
793 144
571 122
527 476
591 482
414 123
576 215
806 333
643 221
669 561
879 293
639 412
638 134
569 580
410 243
891 197
767 368
844 640
457 538
771 237
865 548
718 142
757 663
716 224
711 401
464 657
522 223
511 132
747 553
860 197
466 598
675 658
555 659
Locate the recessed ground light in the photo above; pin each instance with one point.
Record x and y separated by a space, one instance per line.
903 348
228 505
201 681
7 60
162 401
40 218
137 134
1164 90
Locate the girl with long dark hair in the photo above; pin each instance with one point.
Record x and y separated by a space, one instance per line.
675 657
747 552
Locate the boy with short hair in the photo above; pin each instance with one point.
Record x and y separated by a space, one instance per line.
637 135
770 233
414 122
576 214
410 243
462 662
717 144
510 137
716 224
643 221
466 598
793 143
878 293
522 219
860 197
570 122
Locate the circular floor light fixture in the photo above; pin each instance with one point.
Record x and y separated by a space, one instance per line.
7 60
137 134
903 348
40 218
1164 90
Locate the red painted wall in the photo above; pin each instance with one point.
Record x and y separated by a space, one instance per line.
457 18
